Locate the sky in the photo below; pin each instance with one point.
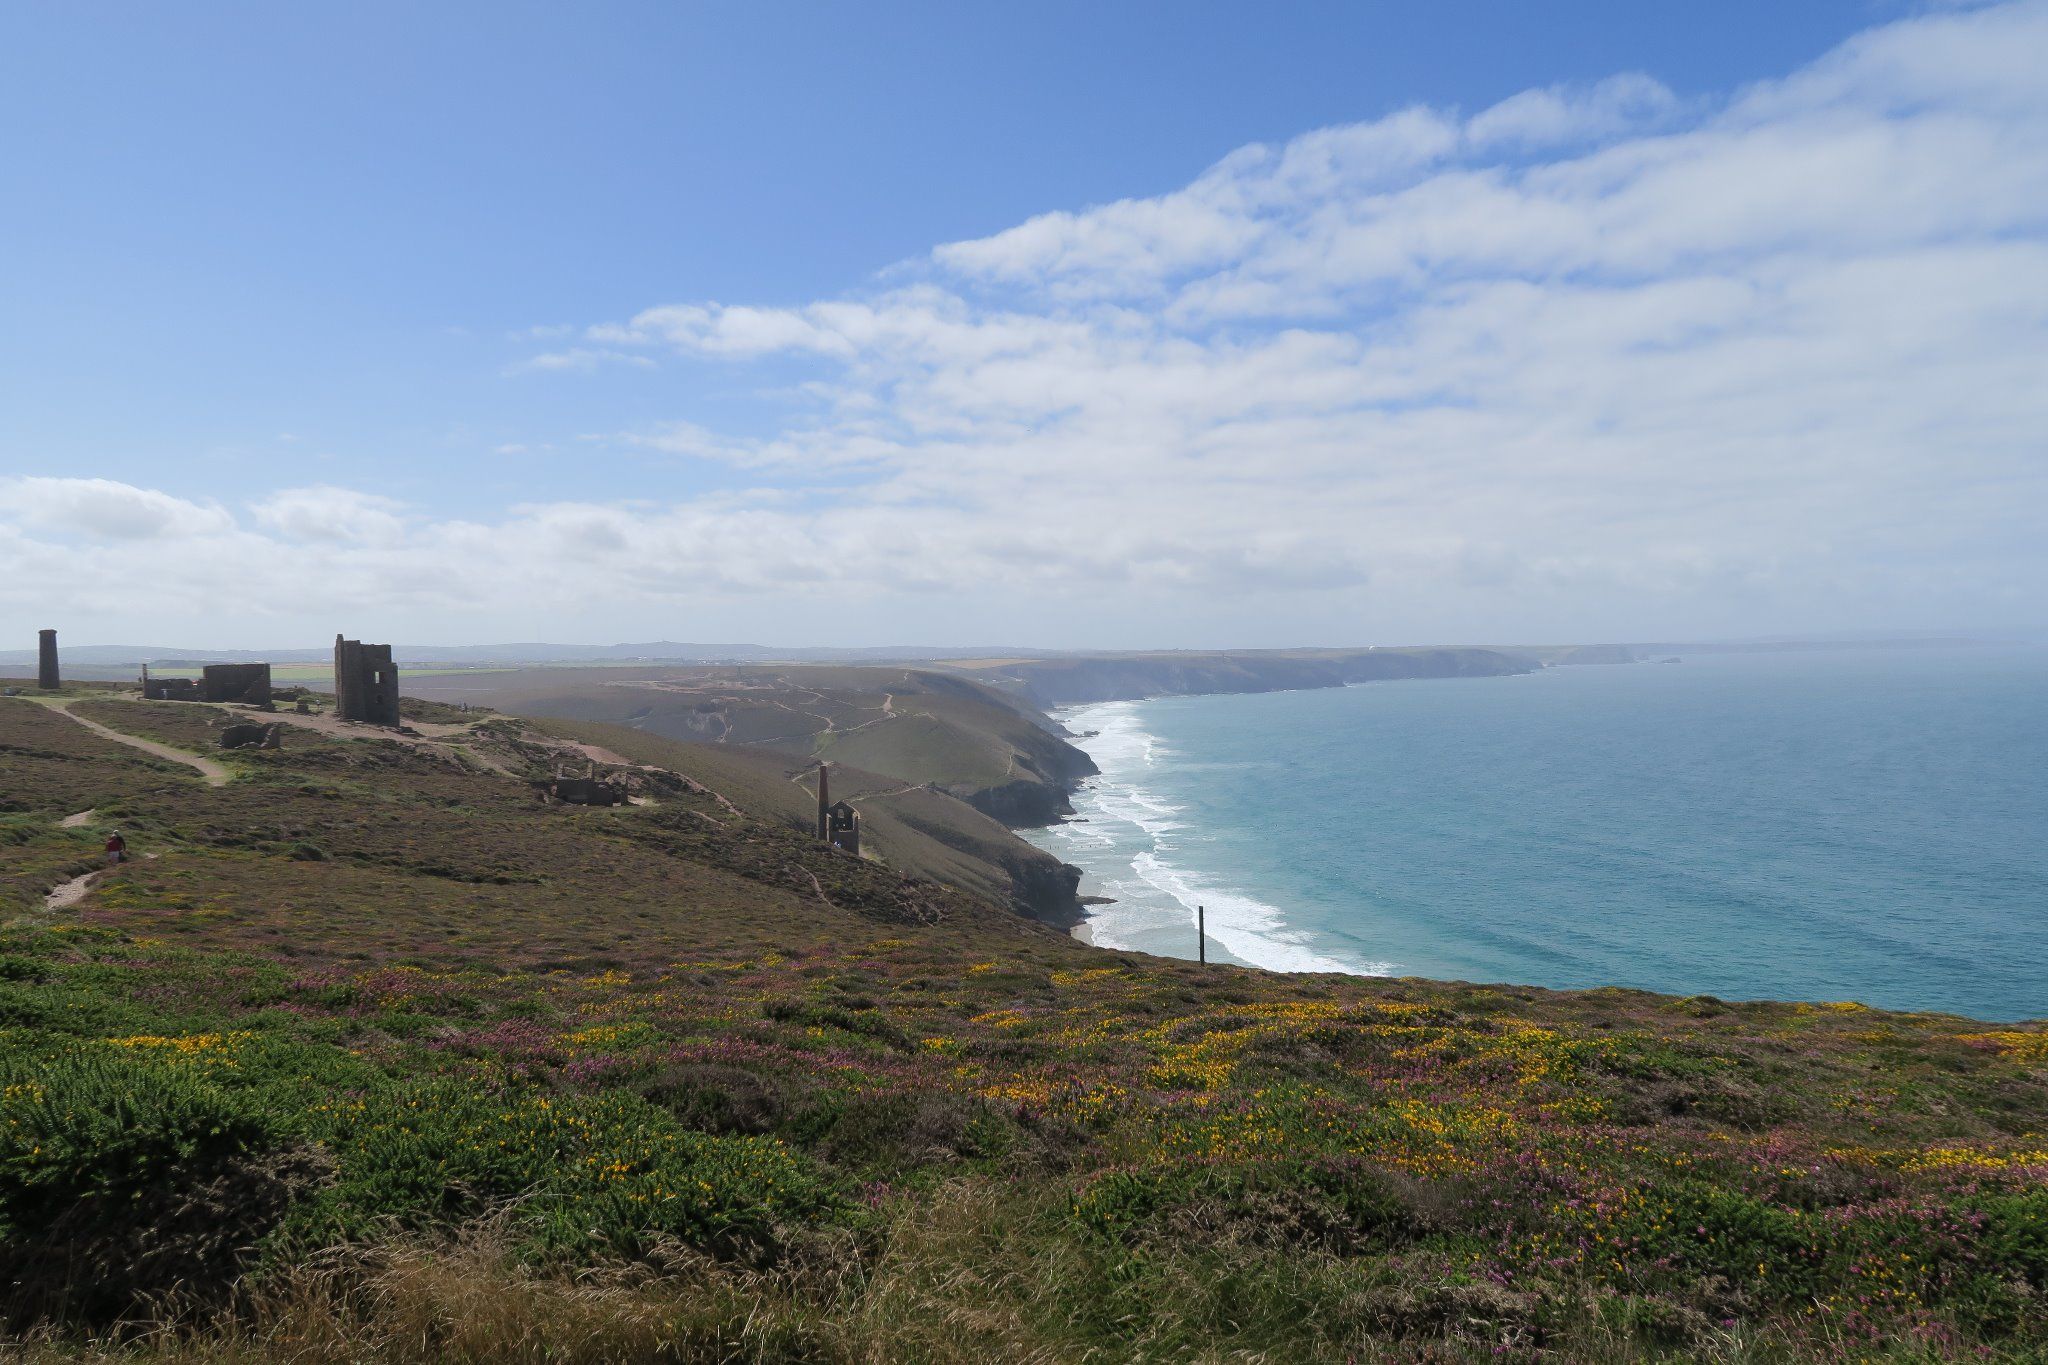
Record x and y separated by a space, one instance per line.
1062 325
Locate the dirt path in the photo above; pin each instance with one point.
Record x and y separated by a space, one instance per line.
68 894
798 778
888 713
893 791
76 821
430 736
214 773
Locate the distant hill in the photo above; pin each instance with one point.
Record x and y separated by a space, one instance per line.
657 651
1073 681
100 657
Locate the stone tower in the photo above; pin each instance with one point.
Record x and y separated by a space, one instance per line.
838 822
47 676
365 682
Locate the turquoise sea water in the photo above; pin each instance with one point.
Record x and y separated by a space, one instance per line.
1822 826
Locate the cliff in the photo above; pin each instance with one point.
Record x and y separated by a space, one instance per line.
922 727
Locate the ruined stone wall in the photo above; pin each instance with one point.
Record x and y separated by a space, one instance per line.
170 689
365 682
245 683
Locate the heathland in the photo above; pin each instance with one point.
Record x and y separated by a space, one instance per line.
369 1055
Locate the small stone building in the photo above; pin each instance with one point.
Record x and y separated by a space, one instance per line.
365 682
248 684
583 791
842 827
838 822
169 689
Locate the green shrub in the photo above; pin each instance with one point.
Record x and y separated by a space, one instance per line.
901 1130
589 1175
866 1023
1343 1206
14 967
711 1098
123 1176
1777 1254
2016 1233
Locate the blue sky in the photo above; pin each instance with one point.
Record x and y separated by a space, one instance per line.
377 291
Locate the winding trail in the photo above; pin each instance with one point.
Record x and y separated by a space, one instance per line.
214 773
67 894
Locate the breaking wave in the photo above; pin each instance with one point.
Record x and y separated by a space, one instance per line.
1128 838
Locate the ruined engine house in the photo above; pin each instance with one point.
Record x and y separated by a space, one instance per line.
365 683
838 821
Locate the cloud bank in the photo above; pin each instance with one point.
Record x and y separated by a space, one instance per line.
1596 361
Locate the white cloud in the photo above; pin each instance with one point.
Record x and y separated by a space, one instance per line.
101 509
1563 114
325 514
1592 361
578 359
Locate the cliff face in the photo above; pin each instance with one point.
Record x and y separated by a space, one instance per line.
1128 677
1021 804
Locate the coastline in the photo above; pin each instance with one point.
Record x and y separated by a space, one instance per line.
1127 842
1460 876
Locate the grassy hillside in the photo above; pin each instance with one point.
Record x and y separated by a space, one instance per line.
917 726
915 830
378 1059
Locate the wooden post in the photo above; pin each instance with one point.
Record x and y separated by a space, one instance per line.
1201 934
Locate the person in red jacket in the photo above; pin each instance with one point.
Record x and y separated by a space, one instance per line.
117 849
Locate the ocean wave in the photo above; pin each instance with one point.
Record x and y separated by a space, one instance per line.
1250 929
1124 842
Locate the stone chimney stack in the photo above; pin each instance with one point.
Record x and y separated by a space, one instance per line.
47 676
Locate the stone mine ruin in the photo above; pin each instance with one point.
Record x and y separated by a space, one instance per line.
365 683
588 790
242 684
838 821
252 737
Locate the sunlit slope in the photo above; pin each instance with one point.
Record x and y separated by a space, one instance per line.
913 829
437 851
915 725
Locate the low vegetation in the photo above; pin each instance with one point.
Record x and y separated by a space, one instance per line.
378 1059
922 727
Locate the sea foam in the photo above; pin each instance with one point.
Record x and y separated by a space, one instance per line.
1125 837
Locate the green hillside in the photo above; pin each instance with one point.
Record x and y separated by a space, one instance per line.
370 1056
916 830
915 725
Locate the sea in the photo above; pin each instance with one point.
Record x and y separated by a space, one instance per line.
1804 825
